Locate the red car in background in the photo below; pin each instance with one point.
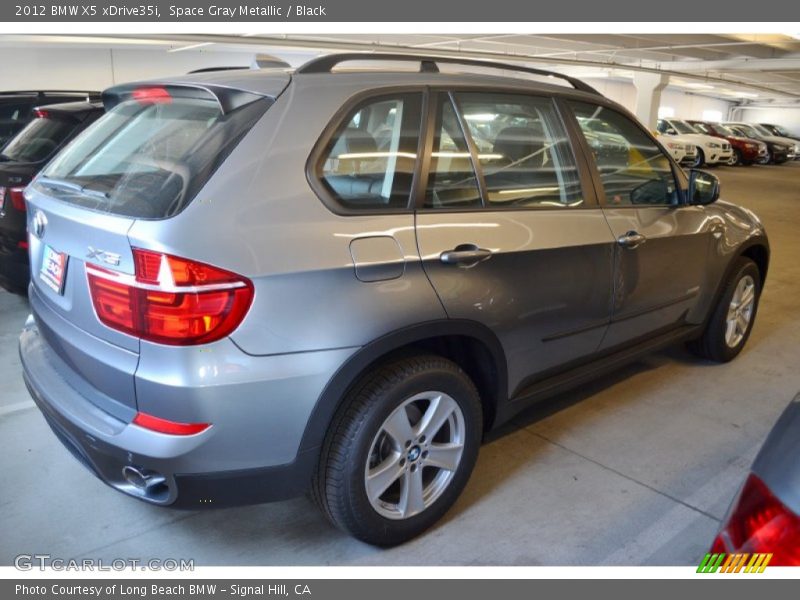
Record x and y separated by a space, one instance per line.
746 151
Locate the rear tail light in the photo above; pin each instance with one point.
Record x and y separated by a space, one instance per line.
15 195
40 113
760 523
169 427
170 300
152 95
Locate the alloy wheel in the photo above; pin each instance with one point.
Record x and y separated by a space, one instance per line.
740 311
415 455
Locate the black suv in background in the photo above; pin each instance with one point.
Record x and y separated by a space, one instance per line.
16 108
20 160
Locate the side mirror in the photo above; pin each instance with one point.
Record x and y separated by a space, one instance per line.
703 188
671 131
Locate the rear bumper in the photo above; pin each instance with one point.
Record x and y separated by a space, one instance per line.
204 470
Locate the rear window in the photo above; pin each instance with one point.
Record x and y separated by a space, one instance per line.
148 159
40 139
15 111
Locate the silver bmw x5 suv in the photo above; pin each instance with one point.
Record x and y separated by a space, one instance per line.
251 285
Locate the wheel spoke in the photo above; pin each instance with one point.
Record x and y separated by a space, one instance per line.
438 412
748 295
741 322
730 332
399 428
385 474
412 500
444 456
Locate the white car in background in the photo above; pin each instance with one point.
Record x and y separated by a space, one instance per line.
711 150
684 152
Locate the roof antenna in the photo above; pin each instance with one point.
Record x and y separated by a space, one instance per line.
267 61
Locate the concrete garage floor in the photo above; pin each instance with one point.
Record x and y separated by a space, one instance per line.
637 468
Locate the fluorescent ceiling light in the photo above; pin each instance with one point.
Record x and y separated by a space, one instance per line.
746 94
481 117
699 86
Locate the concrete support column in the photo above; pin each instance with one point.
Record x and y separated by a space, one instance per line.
648 96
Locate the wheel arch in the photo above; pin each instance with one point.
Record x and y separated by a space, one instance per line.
758 251
471 345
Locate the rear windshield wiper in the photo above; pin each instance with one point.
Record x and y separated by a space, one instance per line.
70 186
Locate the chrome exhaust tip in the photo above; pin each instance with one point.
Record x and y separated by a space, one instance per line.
141 479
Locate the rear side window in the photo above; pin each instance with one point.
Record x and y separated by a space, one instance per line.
523 151
148 159
451 181
369 162
39 139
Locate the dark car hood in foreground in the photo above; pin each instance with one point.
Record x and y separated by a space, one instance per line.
778 463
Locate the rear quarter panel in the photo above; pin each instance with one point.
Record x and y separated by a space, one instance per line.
259 217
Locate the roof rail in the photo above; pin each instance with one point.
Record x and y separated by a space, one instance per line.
428 64
42 93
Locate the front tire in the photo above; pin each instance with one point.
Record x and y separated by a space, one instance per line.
735 159
731 322
400 450
700 160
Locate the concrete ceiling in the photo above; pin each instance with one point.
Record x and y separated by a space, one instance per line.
744 68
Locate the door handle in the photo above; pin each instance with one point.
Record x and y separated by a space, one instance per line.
632 239
465 255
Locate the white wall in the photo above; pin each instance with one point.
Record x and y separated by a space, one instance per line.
98 68
786 117
686 105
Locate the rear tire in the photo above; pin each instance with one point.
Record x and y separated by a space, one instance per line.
732 318
400 450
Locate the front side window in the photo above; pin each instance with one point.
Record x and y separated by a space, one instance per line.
523 150
633 169
369 162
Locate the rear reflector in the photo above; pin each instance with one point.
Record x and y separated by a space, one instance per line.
41 113
170 300
760 523
169 427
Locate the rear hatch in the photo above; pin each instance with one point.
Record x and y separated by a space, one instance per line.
147 158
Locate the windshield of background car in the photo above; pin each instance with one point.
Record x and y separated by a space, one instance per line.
40 138
148 159
724 130
762 130
682 127
703 128
748 131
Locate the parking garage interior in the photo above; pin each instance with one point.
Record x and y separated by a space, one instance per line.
638 467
